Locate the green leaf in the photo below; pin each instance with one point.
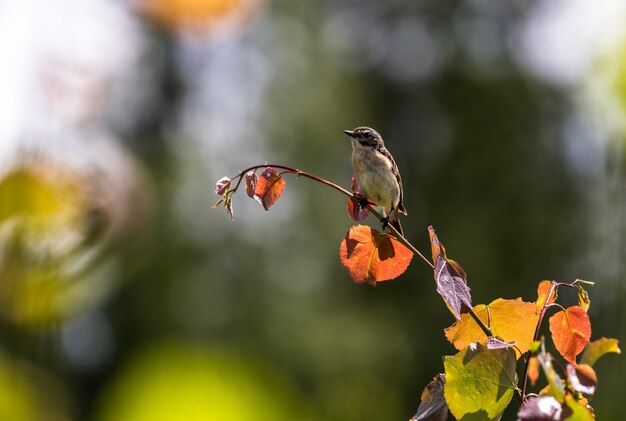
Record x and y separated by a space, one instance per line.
557 387
480 382
579 412
598 348
583 298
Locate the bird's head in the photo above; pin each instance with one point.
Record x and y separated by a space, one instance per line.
365 137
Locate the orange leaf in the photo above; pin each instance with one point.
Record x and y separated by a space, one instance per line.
371 257
511 320
269 187
542 294
533 370
571 330
355 211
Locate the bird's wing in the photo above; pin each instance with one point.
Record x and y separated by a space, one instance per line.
400 207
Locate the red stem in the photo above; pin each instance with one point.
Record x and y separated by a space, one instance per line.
536 335
339 189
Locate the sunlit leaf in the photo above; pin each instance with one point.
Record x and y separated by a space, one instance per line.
556 386
433 406
582 378
269 187
598 348
541 408
571 330
479 382
228 206
511 320
222 185
250 180
535 346
579 412
355 211
545 288
583 298
371 257
450 278
533 370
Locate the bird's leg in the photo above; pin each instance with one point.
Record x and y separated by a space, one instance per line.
364 202
385 219
385 222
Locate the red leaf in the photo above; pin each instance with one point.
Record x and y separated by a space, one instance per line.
355 211
450 277
250 182
222 185
269 187
371 257
571 330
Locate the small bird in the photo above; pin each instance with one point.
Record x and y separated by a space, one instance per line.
377 174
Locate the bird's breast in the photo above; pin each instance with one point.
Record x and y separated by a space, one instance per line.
374 173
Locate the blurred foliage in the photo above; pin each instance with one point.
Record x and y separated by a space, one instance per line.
517 177
29 394
198 383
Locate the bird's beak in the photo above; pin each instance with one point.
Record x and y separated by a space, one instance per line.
349 133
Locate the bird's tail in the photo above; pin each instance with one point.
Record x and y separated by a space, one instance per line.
394 221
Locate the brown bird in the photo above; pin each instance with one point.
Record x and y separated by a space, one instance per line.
377 174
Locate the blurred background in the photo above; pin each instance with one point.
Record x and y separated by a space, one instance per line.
124 296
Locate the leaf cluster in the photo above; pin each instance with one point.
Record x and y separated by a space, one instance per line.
494 341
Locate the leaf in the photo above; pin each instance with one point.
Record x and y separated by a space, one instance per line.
598 348
433 406
582 378
583 298
494 342
541 408
543 290
450 278
228 207
555 383
269 187
222 185
355 211
250 180
571 330
371 257
533 370
578 412
511 320
479 382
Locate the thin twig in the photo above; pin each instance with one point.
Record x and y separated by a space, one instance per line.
542 313
480 323
339 189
